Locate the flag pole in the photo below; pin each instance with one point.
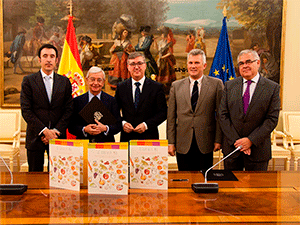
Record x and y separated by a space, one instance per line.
71 8
224 11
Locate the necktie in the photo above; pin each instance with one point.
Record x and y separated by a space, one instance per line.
246 97
195 94
48 87
137 94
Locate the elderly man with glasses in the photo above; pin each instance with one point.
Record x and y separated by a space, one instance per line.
95 132
142 102
249 112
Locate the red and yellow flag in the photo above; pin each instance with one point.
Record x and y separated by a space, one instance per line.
69 64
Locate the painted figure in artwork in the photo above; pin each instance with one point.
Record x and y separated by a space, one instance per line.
200 41
190 39
16 50
89 52
120 50
57 42
166 60
38 35
144 44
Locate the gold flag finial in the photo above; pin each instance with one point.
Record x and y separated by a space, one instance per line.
224 11
70 6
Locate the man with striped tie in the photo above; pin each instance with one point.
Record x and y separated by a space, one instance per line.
193 129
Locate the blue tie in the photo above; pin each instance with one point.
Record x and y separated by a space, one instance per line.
137 94
48 87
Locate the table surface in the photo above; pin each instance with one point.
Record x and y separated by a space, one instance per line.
256 198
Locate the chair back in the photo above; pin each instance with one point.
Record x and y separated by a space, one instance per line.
10 125
291 124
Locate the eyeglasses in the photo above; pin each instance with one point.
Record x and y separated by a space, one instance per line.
99 80
136 63
247 62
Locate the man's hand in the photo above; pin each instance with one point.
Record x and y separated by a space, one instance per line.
128 128
247 151
50 134
92 129
140 128
245 143
171 150
101 126
44 140
217 147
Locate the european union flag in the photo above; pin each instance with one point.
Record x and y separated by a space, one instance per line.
222 66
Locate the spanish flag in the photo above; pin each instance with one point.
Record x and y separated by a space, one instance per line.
69 65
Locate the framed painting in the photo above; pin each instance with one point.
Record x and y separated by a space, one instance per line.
256 24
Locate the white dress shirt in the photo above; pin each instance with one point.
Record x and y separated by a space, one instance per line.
192 81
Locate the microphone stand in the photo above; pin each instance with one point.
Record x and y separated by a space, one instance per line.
235 150
210 187
11 189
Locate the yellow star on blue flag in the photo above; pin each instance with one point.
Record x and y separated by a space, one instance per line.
223 62
216 73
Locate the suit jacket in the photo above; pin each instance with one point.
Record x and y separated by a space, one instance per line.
39 113
261 117
152 108
77 122
183 122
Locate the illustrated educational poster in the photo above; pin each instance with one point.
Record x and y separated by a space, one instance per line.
108 168
149 164
65 157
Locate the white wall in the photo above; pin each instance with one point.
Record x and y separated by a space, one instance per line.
291 79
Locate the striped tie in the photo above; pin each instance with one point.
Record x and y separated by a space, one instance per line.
195 95
137 94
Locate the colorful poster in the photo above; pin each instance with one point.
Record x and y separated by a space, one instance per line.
65 157
108 168
149 164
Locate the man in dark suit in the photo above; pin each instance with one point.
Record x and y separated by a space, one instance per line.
249 112
193 129
46 104
142 102
96 132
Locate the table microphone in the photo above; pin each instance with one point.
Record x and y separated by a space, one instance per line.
11 189
210 187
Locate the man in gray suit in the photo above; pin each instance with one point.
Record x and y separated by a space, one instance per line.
249 112
193 130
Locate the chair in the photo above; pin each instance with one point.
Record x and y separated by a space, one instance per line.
218 155
291 127
10 132
280 152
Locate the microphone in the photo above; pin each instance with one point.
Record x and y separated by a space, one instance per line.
210 187
11 189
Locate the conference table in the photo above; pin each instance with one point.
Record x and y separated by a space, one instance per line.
257 197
